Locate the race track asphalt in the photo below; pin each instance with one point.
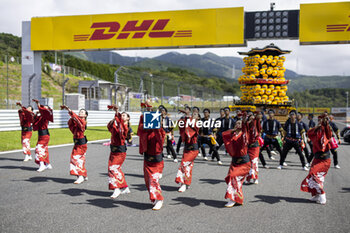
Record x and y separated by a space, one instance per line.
50 202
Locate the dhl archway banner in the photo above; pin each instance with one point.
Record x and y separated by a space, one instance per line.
187 28
325 23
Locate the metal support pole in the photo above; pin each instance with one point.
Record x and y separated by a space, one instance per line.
212 99
116 74
347 100
152 86
90 87
191 97
63 89
30 82
7 80
162 91
203 98
178 97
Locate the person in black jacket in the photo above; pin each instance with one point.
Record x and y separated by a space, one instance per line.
335 134
168 128
206 135
306 128
187 115
271 129
293 132
227 122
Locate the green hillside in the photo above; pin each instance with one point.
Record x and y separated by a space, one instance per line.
51 85
318 82
326 97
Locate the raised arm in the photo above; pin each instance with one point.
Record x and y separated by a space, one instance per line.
46 113
80 123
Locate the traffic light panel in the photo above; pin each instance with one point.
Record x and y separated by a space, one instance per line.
272 25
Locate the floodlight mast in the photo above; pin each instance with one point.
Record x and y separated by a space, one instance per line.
272 6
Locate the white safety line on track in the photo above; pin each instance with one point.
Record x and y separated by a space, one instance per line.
56 146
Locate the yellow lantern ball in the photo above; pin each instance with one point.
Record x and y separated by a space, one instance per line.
264 86
274 62
268 91
262 91
268 102
265 76
277 88
271 97
262 60
272 87
269 71
274 102
263 71
268 60
281 93
264 97
274 73
264 67
274 92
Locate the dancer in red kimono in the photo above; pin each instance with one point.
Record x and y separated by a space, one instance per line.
314 182
254 129
119 132
189 135
151 146
77 125
40 124
236 143
26 117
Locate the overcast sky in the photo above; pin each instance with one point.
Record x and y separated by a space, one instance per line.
320 60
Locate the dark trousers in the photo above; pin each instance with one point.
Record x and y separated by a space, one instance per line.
286 148
261 156
220 141
271 141
170 148
335 156
206 140
178 145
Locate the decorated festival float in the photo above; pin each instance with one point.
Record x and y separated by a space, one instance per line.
263 83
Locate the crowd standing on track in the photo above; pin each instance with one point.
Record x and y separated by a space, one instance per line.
244 135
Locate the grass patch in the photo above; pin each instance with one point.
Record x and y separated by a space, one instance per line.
11 140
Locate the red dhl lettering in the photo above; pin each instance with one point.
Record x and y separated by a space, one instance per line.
338 27
109 30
